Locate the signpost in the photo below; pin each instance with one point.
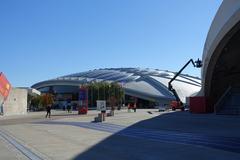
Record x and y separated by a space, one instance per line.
101 105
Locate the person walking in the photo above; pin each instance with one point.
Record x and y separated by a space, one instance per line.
48 102
69 106
49 107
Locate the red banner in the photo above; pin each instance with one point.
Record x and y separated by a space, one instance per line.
5 86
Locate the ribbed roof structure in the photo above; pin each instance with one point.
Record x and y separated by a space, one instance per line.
149 84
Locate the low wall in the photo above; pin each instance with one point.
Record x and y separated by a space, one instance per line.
16 103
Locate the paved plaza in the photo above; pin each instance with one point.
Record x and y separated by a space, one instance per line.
146 134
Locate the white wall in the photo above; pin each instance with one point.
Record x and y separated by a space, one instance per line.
16 103
227 16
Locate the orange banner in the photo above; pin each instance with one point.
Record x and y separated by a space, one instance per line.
5 86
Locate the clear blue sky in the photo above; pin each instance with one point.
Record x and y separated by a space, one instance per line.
44 39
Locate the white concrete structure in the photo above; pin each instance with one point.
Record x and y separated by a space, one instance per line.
221 58
226 18
16 103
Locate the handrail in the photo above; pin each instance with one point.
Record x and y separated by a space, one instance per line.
221 98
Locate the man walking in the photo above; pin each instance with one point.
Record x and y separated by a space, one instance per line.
49 107
48 102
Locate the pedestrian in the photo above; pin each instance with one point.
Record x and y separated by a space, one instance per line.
48 102
48 111
135 107
69 106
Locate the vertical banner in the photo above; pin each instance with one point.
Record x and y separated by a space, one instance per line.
82 94
83 100
5 86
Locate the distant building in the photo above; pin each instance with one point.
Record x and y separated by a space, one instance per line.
149 86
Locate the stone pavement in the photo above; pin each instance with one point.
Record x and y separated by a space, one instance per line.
147 134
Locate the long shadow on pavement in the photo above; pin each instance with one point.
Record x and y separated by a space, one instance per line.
172 135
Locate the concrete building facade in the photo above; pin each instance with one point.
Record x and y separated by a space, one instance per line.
221 67
16 103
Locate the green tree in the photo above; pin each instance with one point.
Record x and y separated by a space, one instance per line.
111 92
36 103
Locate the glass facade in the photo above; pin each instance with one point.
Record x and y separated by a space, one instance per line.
62 95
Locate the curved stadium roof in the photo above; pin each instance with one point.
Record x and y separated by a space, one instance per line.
149 84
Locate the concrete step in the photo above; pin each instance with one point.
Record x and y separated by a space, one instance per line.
230 104
229 110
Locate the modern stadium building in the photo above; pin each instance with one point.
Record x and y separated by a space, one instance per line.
149 86
221 61
220 86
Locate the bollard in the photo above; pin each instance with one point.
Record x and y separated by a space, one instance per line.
100 117
103 116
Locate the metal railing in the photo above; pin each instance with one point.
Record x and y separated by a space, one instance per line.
217 106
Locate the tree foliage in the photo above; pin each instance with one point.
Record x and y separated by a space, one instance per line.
113 93
38 103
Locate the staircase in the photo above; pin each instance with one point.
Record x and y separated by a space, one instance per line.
229 103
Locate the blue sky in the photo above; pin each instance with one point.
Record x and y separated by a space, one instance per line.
44 39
